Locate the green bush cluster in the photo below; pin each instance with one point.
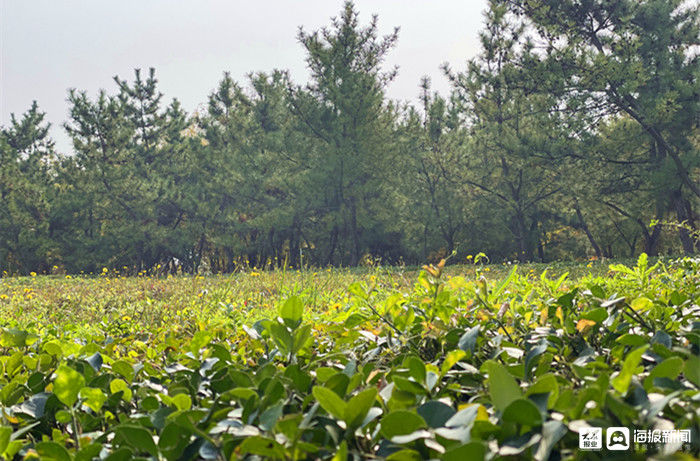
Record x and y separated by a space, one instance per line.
450 368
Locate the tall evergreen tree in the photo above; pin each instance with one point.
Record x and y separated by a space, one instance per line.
344 107
637 58
27 160
514 141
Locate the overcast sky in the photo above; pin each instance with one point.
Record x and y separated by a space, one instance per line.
49 46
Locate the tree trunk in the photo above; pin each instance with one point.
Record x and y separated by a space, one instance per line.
355 258
295 259
584 226
534 241
521 236
651 241
608 251
425 242
685 221
332 244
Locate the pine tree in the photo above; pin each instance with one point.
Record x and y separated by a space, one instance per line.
344 108
27 161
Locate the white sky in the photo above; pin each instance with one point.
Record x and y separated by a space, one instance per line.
48 46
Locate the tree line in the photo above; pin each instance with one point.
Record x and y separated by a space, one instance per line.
572 134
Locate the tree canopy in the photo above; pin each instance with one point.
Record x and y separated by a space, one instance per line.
572 134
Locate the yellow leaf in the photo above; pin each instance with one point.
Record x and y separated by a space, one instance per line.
584 325
481 413
560 314
507 330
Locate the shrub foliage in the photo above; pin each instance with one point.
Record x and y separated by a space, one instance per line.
450 367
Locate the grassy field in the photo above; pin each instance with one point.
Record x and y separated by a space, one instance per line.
148 302
462 362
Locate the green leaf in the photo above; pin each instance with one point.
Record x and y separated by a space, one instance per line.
182 401
677 298
299 377
124 368
358 406
63 417
357 289
621 268
505 282
503 388
641 304
531 355
470 451
34 405
451 360
292 311
338 383
621 382
5 433
407 385
17 338
401 422
405 455
301 337
546 383
597 291
173 440
52 451
692 370
53 348
269 417
95 361
467 342
629 339
416 368
436 413
323 374
138 437
89 452
242 393
282 337
669 368
93 398
642 263
121 454
199 340
342 453
567 299
597 315
119 385
552 432
329 401
523 412
262 446
67 385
